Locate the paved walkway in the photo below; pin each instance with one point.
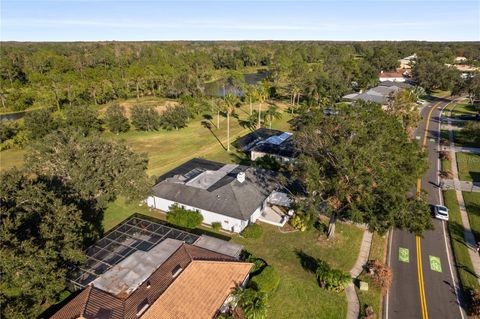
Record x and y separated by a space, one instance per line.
467 234
353 309
464 186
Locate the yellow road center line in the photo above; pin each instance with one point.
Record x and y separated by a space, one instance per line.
421 285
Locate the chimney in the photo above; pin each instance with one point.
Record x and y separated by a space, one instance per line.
241 177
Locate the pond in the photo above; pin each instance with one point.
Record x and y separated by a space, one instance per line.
217 88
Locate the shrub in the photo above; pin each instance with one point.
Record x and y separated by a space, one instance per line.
174 117
298 222
368 313
83 118
474 303
184 217
252 231
444 155
145 118
258 263
116 120
217 226
267 281
381 274
331 279
40 123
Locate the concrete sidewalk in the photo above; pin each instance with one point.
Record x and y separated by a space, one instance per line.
353 309
467 234
463 186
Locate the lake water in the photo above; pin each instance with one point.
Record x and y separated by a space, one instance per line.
217 88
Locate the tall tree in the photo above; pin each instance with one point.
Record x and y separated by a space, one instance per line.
116 119
40 234
229 103
82 118
39 123
362 165
145 118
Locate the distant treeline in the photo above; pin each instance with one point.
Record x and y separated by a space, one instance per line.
60 74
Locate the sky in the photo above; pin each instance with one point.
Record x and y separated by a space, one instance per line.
121 20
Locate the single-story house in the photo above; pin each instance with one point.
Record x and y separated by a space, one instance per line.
129 279
267 142
394 76
379 94
229 194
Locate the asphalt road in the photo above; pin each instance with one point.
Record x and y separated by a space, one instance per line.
424 278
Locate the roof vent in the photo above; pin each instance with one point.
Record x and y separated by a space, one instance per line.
241 177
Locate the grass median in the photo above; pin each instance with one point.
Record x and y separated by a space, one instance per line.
472 204
373 297
463 263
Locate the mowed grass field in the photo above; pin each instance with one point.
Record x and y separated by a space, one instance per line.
299 295
468 167
168 149
11 158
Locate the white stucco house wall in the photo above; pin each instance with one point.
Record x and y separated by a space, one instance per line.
230 194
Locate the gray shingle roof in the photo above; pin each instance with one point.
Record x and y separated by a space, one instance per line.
227 196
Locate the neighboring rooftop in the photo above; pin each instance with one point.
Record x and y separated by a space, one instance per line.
214 187
134 283
251 139
208 284
380 94
135 234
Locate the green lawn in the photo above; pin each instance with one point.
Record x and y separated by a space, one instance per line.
472 204
446 165
299 295
462 109
460 249
468 167
373 297
11 158
168 149
463 139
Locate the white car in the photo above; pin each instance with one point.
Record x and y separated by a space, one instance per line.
441 212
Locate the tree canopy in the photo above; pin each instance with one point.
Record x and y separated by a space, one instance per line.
362 165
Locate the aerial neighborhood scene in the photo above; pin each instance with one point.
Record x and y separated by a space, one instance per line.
239 159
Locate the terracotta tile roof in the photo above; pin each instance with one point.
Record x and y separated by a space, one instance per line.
199 291
95 303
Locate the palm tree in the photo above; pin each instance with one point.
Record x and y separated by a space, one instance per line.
229 103
263 94
251 95
273 113
253 303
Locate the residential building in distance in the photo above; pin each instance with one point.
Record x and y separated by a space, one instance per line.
230 194
144 269
407 62
267 142
394 76
380 94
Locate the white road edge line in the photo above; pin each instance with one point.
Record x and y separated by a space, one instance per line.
455 287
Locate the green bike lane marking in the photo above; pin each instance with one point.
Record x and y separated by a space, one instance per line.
435 264
404 254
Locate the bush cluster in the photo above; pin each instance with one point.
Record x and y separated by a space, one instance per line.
252 231
381 274
267 281
216 226
183 217
331 279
